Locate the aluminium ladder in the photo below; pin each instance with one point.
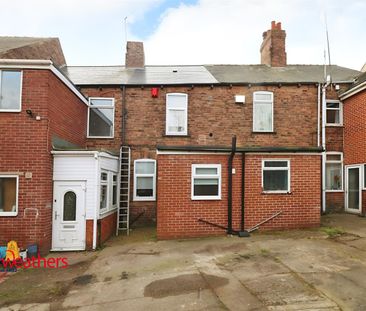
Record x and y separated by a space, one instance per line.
124 190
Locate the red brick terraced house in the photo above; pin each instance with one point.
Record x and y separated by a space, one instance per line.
202 150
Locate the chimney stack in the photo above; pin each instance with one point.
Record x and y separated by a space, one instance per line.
273 48
135 57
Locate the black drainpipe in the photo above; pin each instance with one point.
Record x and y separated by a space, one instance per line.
230 187
242 190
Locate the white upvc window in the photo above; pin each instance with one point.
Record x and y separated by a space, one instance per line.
364 177
262 111
176 114
104 198
10 90
334 112
114 190
334 171
9 189
276 176
206 182
101 117
144 180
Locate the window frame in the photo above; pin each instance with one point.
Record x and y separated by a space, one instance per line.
167 132
363 176
342 169
21 90
135 176
114 183
104 183
12 214
340 109
272 111
288 168
218 176
112 107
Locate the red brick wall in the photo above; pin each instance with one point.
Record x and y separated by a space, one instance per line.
25 147
178 215
354 117
335 201
107 227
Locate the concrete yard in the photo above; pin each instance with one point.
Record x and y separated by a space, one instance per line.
318 269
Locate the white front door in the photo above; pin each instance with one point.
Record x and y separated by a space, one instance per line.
68 224
353 199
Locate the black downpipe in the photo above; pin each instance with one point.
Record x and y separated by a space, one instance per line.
242 191
230 187
124 113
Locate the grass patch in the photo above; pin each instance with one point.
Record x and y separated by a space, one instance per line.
264 252
332 231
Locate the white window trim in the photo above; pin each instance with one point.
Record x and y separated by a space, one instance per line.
267 102
114 183
277 169
104 107
337 162
21 91
12 214
167 132
104 183
135 175
363 172
340 112
194 176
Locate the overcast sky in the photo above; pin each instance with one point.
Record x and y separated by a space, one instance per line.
92 32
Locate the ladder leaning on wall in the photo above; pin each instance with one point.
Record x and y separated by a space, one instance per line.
124 190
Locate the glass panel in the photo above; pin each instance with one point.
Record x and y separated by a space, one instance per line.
104 176
206 171
262 114
114 178
101 102
333 105
275 163
8 194
334 157
100 122
263 96
206 189
103 196
206 181
333 116
144 187
145 167
177 101
333 176
69 206
176 121
353 189
10 90
275 180
114 195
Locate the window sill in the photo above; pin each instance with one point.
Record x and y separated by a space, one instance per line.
99 137
177 135
330 191
206 199
144 199
264 132
277 192
8 214
333 125
10 110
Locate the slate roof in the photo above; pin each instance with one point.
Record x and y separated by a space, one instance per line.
10 43
205 74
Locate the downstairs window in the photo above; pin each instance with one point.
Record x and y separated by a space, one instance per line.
276 176
206 182
9 195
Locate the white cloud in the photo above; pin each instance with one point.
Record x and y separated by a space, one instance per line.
214 31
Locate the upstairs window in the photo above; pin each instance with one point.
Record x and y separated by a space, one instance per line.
334 171
101 118
276 176
9 195
334 112
144 180
206 181
10 90
263 112
176 114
